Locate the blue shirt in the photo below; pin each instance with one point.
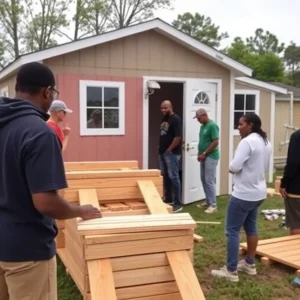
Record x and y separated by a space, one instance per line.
31 162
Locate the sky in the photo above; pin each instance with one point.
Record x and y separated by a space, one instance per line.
243 17
239 17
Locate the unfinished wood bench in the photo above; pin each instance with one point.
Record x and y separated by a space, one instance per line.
140 253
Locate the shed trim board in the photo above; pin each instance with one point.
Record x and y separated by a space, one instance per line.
155 24
257 103
4 92
262 84
146 116
231 130
272 136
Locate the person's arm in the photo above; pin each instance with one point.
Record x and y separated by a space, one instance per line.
45 174
241 155
66 132
214 135
293 161
177 128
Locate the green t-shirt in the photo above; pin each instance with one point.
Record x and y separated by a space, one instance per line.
208 133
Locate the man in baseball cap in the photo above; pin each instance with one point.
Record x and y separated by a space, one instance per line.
58 112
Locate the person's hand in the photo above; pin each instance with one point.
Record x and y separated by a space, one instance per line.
283 192
201 157
88 212
66 130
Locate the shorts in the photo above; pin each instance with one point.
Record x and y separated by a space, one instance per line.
292 212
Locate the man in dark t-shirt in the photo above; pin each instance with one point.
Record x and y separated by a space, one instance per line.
31 172
170 154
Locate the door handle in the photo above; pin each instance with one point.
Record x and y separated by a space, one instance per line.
188 148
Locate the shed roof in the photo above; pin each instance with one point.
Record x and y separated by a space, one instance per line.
155 24
290 88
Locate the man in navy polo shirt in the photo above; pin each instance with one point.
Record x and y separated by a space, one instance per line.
31 172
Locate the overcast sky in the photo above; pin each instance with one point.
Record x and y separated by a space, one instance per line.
242 17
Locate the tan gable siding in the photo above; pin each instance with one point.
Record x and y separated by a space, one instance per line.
150 54
10 83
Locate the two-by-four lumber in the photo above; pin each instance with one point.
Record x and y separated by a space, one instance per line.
136 224
101 165
154 202
100 271
180 263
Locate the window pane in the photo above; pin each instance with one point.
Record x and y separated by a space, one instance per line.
237 116
94 96
239 101
94 118
250 102
111 118
111 97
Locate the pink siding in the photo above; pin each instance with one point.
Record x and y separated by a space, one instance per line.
101 148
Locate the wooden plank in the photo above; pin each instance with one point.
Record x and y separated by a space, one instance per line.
109 182
121 237
117 206
101 280
112 174
100 271
108 195
136 224
147 290
136 204
185 275
100 165
142 276
172 296
97 251
152 197
275 240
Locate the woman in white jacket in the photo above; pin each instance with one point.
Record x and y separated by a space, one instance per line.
249 165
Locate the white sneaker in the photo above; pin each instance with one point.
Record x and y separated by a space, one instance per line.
243 266
210 210
224 273
203 205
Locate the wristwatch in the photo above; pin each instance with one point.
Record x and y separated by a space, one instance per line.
204 153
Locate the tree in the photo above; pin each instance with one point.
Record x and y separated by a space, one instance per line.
201 28
91 17
10 18
44 24
2 58
264 42
267 66
292 60
127 12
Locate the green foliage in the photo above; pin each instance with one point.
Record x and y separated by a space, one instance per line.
201 28
264 43
292 60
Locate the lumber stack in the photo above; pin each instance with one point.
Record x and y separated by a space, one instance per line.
138 250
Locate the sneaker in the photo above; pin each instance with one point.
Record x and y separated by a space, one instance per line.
224 273
210 210
243 266
203 205
177 209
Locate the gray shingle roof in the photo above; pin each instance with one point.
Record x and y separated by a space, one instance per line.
290 88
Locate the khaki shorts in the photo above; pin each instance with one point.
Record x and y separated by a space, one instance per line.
35 280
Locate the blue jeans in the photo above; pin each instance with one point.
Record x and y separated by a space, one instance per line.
239 213
208 170
169 165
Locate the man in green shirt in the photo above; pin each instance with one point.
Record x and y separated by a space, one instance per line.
208 156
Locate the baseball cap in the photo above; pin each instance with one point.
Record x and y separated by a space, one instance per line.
200 112
58 105
35 74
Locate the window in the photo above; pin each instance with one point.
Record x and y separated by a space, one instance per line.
102 108
4 92
244 102
201 98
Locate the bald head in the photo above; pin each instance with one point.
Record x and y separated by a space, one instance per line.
166 108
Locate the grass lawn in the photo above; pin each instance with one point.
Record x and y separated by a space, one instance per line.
271 282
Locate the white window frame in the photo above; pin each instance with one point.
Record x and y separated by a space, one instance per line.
4 91
84 131
257 103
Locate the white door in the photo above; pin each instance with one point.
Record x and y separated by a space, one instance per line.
198 94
